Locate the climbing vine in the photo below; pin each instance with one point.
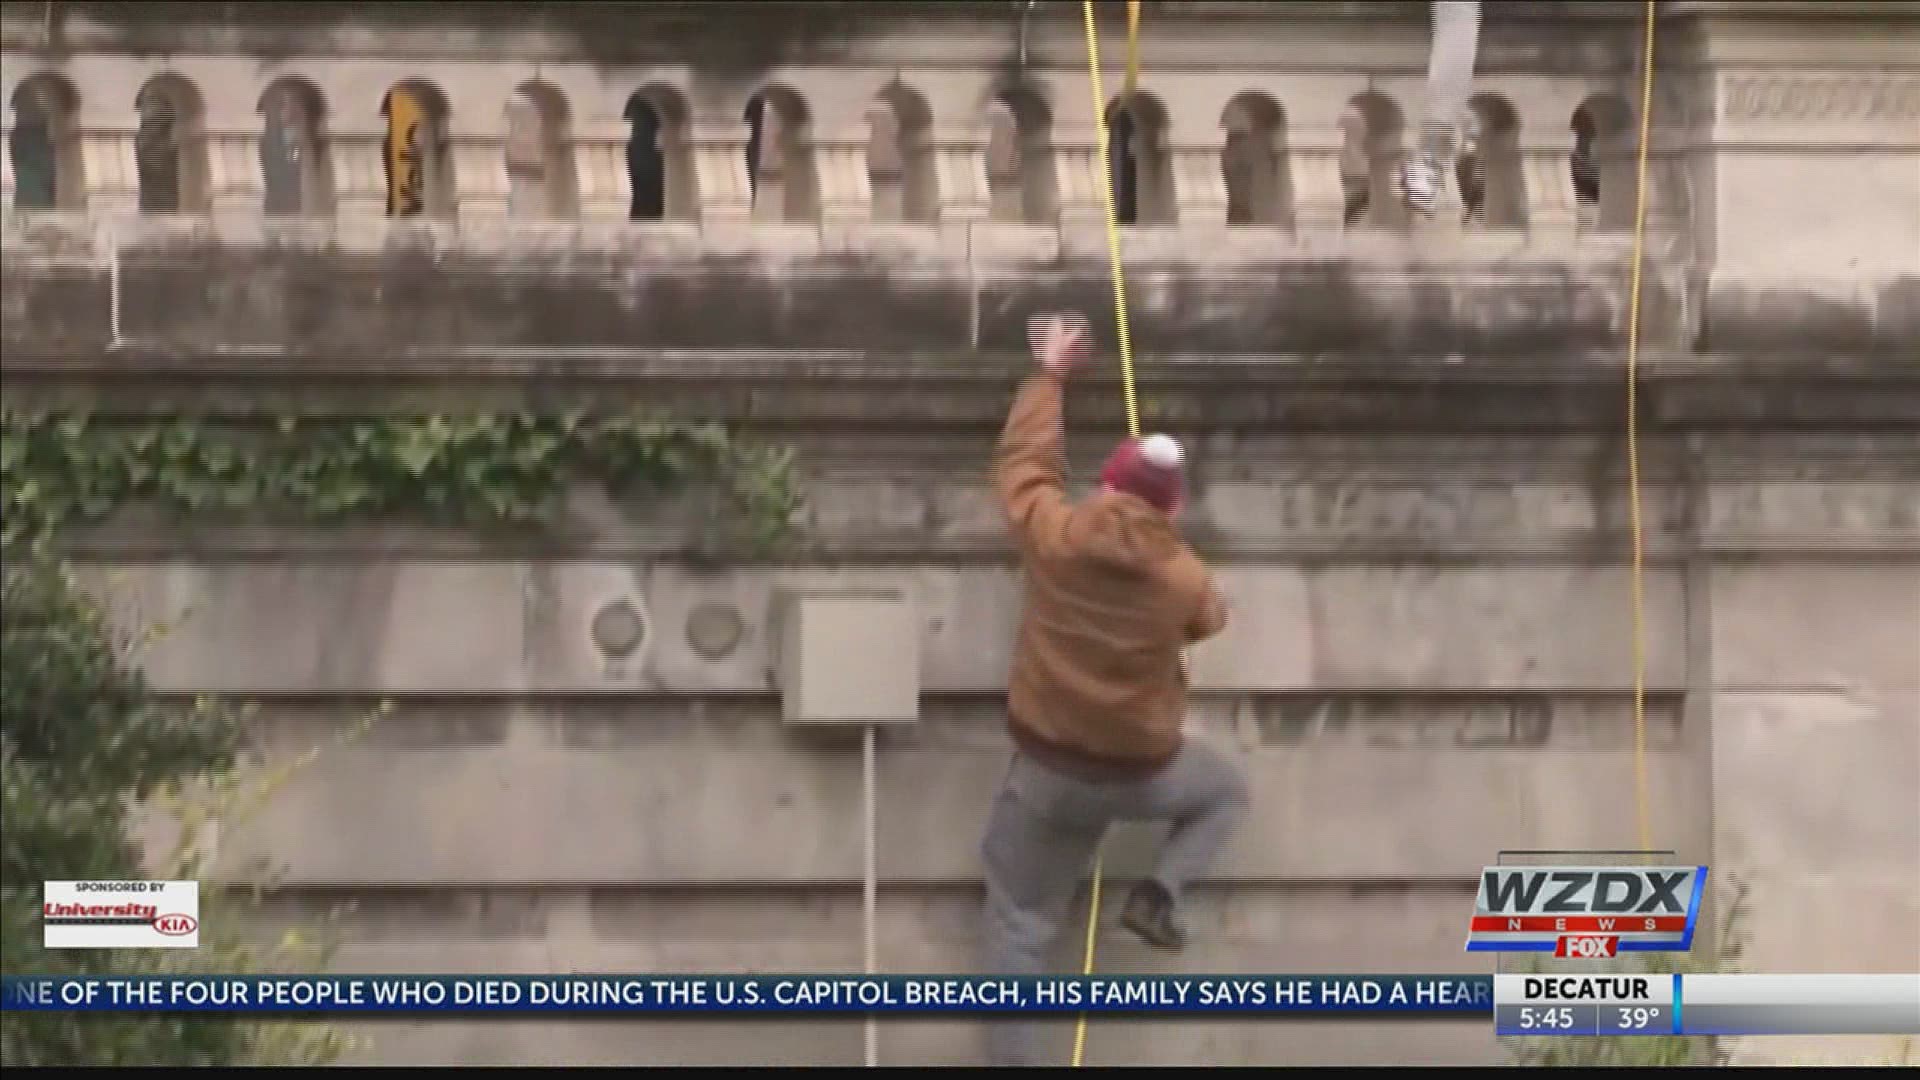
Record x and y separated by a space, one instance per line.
59 469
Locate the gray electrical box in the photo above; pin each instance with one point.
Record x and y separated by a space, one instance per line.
846 656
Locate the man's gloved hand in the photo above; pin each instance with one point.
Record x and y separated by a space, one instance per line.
1060 341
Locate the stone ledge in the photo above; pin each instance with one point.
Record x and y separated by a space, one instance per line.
1755 317
535 769
1189 292
1565 392
310 286
1552 513
906 551
669 33
515 629
908 548
666 33
53 239
856 305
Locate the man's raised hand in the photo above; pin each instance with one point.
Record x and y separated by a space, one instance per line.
1060 341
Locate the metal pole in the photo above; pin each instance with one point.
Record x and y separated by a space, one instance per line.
871 899
113 290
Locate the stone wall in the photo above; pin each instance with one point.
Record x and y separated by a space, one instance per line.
1408 464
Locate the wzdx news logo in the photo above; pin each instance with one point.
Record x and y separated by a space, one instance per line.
1586 912
121 914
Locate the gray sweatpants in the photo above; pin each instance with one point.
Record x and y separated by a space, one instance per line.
1040 842
1444 113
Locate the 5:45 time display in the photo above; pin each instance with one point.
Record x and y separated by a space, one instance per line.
1547 1017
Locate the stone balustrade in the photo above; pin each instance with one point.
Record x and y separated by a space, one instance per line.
842 143
1238 140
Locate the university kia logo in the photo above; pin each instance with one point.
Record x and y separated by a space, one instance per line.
172 923
176 925
121 914
57 914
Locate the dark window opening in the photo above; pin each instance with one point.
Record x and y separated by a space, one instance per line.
646 162
1122 151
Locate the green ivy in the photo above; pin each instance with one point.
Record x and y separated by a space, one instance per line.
83 739
509 469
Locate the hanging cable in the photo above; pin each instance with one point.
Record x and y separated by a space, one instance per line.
1636 522
1132 85
1126 366
1635 525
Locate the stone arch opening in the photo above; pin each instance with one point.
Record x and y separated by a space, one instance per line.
169 147
1602 162
1373 128
1253 162
297 178
44 145
1140 169
780 157
540 185
418 159
659 165
1021 182
1489 171
900 168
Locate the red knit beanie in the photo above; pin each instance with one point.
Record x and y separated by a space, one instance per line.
1149 468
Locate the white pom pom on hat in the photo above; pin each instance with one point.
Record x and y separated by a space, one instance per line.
1148 468
1162 451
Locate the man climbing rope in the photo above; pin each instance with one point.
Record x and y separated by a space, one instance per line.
1447 123
1097 692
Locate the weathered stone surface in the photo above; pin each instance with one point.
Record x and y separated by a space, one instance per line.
1252 499
435 628
1754 321
1296 342
668 779
509 627
186 292
1814 627
1782 757
1816 669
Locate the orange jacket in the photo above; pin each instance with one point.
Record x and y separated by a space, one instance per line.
1112 597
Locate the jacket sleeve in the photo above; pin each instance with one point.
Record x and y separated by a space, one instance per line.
1211 615
1203 610
1028 466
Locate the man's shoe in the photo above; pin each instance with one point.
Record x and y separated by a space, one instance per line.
1420 183
1149 914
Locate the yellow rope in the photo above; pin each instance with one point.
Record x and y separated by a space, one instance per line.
1633 405
1633 449
1126 360
1133 49
1113 220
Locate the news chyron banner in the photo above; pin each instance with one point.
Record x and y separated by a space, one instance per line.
121 914
1528 1005
1553 913
1585 905
1582 927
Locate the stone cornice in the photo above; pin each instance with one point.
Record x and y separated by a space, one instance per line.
900 391
1872 109
504 296
1439 520
915 548
826 32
